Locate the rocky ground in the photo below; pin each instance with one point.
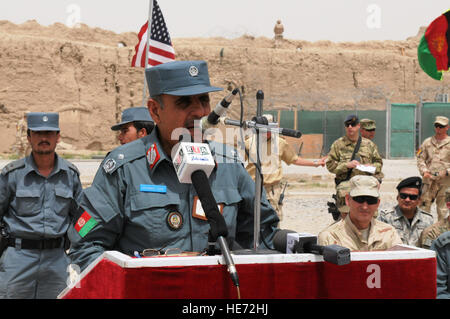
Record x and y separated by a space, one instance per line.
309 190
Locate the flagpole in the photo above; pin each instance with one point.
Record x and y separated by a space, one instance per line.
149 26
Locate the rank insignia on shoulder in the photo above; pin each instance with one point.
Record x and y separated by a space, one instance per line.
174 220
109 165
152 155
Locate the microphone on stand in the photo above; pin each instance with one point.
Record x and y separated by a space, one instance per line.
212 119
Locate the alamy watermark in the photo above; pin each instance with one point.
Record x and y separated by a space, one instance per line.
73 19
373 20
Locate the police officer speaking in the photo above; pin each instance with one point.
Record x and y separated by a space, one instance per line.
38 197
136 201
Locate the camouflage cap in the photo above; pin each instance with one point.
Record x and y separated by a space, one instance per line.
368 124
364 185
441 120
447 194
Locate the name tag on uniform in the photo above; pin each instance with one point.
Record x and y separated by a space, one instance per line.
153 188
197 209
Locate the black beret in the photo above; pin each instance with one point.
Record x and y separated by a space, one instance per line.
352 119
411 182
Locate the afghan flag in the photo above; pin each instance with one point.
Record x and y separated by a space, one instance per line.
434 50
84 224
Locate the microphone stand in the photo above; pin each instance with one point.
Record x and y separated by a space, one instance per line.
258 180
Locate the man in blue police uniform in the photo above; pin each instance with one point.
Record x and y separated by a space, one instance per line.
38 197
136 123
442 248
136 201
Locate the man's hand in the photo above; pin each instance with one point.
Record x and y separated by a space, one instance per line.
352 164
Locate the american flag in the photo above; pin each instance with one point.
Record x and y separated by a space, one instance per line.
160 48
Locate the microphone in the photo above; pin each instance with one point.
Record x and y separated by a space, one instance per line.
291 242
262 127
194 163
213 118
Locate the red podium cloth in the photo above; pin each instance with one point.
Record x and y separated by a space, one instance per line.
404 275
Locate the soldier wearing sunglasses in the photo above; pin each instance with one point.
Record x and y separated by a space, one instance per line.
359 231
407 218
433 162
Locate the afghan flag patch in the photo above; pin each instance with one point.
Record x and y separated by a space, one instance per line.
85 223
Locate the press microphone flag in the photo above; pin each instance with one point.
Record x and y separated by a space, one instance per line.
190 157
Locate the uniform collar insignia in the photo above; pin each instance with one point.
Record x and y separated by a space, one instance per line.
153 155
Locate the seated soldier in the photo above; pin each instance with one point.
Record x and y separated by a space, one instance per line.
359 230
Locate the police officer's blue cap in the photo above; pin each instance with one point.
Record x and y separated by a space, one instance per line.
133 114
43 121
352 119
410 182
179 78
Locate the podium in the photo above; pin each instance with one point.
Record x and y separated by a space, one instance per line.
402 272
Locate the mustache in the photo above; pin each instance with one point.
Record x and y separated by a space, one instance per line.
192 123
44 142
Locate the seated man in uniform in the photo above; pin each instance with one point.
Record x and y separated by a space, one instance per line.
441 226
407 218
136 123
359 231
136 201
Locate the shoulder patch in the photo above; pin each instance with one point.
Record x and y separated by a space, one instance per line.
13 166
122 155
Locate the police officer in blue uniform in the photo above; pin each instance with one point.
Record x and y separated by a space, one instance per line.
136 123
136 201
441 246
38 197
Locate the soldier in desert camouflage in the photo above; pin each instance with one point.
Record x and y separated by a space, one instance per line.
434 231
359 231
433 162
339 160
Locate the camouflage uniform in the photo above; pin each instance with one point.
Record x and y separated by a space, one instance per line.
381 236
434 157
434 231
409 232
275 150
340 154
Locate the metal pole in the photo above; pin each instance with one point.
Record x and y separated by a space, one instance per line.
149 26
258 182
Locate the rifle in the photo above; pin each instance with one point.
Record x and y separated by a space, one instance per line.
280 201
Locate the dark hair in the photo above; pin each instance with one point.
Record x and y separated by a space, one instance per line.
148 126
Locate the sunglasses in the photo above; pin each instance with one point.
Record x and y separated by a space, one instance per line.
411 197
353 124
439 126
371 130
370 200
